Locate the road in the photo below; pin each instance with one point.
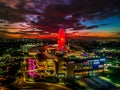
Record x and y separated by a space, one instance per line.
20 83
97 83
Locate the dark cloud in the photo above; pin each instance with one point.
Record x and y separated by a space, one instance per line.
94 26
49 15
10 14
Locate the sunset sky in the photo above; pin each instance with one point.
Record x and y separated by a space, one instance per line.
42 18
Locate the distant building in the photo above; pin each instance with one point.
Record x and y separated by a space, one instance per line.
37 49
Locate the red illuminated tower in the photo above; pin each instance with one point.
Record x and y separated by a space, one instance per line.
61 39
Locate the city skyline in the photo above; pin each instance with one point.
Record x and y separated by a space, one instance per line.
42 19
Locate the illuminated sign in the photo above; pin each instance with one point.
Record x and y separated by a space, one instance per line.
71 62
84 54
86 63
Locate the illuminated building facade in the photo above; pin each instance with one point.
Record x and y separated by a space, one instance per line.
85 67
46 68
31 67
62 67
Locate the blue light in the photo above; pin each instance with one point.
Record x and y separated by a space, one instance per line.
102 59
96 62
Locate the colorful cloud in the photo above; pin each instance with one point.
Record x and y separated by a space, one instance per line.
40 18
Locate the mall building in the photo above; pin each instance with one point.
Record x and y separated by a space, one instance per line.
84 67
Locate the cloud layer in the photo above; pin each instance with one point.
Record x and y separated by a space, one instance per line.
48 15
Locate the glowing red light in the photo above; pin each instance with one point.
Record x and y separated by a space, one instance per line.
61 39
